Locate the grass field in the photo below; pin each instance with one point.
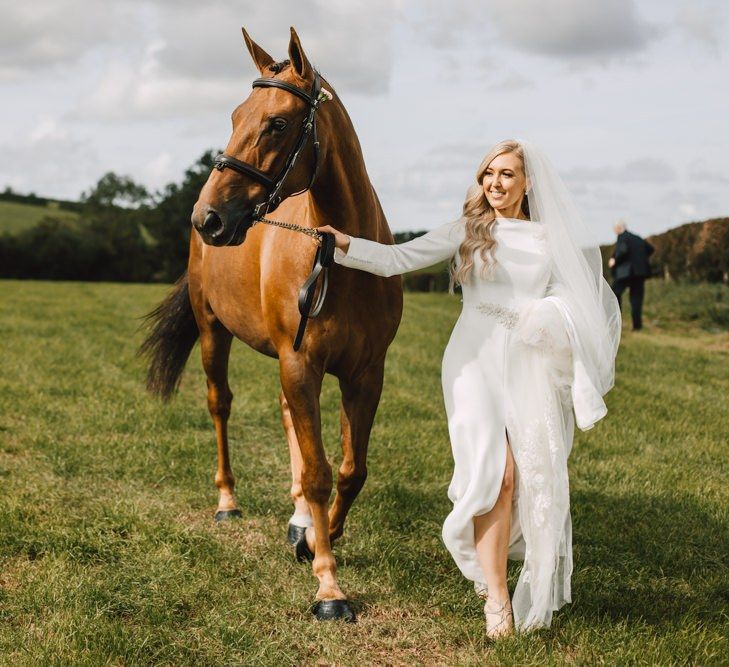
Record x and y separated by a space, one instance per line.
16 217
109 555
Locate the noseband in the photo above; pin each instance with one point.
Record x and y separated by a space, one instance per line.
273 185
325 251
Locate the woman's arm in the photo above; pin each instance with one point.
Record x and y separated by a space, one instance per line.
391 260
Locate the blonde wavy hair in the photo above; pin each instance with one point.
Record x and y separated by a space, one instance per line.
479 223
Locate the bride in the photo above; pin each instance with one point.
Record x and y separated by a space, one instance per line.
532 352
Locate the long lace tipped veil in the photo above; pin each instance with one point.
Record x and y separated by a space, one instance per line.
563 360
576 268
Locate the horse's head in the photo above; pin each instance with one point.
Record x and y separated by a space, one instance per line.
270 155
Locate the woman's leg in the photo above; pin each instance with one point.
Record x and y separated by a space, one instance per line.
492 531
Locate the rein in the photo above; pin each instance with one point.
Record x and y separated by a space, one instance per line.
325 240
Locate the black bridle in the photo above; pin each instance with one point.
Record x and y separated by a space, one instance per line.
325 251
273 185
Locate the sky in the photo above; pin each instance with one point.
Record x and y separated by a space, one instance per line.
629 98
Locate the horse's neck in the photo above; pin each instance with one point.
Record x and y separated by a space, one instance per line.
343 196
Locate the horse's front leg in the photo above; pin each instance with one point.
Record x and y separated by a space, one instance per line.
301 384
215 343
301 518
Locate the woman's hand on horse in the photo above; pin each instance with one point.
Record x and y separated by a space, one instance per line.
341 240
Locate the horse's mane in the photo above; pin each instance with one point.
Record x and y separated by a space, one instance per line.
279 66
284 64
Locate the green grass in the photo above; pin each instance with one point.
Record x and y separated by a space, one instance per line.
109 555
17 217
685 307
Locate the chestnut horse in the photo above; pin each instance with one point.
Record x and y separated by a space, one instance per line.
243 281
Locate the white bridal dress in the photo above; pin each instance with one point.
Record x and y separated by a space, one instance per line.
512 367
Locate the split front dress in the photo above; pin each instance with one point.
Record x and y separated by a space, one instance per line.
510 369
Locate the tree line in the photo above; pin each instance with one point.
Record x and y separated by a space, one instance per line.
125 233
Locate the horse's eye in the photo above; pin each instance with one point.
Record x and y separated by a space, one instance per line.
279 124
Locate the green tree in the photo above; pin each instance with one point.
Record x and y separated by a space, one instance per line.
114 190
169 221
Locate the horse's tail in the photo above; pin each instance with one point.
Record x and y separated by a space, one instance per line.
173 332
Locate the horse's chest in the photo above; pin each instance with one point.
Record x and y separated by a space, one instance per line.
232 291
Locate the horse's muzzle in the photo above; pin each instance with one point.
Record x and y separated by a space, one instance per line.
221 230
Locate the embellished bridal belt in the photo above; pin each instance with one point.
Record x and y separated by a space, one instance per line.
507 317
539 325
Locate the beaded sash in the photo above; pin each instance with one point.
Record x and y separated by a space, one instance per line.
507 317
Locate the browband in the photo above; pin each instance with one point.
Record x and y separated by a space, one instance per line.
270 82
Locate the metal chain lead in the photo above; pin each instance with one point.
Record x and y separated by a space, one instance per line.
293 226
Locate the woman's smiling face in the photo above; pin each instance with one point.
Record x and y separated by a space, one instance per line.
504 183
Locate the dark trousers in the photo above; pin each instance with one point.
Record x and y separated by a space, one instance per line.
636 284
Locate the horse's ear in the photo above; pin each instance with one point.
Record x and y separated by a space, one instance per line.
298 58
260 57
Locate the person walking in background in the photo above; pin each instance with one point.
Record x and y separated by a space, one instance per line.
630 268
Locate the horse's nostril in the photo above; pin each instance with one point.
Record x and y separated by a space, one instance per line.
213 225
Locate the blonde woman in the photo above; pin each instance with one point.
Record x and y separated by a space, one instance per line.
532 352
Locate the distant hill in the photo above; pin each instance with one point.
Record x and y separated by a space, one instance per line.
16 217
697 251
19 212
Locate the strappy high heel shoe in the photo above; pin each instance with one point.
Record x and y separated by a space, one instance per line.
499 619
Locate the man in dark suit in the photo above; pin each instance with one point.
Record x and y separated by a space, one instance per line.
630 269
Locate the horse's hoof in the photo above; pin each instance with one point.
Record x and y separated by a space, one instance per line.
333 610
297 537
295 534
224 515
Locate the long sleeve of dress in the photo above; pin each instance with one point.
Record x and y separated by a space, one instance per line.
391 260
587 402
592 361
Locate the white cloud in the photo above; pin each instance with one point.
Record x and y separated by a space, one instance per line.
562 29
687 209
700 171
641 170
352 38
159 171
195 61
50 34
446 25
511 83
139 90
701 23
430 188
49 160
573 28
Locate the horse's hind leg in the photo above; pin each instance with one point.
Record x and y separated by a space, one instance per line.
301 384
301 519
360 398
215 343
